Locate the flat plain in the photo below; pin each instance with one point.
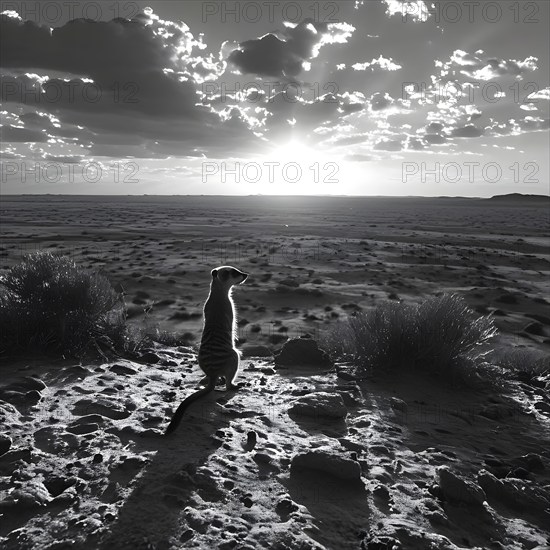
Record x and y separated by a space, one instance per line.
378 462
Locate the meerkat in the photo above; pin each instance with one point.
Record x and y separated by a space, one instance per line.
218 355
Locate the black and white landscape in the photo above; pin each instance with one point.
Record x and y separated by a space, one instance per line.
380 170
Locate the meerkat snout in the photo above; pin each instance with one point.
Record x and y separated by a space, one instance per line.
229 276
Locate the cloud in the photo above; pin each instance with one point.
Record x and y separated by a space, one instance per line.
286 56
434 127
65 159
468 131
541 94
358 157
383 63
416 10
380 101
435 139
388 145
146 65
489 68
17 134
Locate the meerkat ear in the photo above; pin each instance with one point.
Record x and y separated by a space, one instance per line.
214 273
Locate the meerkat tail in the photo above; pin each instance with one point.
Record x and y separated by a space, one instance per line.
178 415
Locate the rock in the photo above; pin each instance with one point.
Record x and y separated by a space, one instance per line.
532 462
251 440
499 411
90 419
398 405
290 282
381 543
31 494
32 383
149 357
252 350
345 374
56 484
5 444
320 404
302 351
535 328
327 461
16 397
381 491
132 463
515 493
285 507
122 370
507 298
66 497
102 407
455 488
15 455
81 429
542 407
262 458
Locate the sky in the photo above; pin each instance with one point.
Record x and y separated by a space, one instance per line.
373 97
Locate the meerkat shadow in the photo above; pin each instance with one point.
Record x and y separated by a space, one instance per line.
161 482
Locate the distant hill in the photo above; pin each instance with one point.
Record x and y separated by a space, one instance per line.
521 198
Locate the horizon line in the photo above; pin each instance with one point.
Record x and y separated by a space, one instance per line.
515 194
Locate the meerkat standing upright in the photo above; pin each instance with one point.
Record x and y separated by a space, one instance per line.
218 355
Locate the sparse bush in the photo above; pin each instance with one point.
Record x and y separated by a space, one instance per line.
441 335
523 364
137 338
49 304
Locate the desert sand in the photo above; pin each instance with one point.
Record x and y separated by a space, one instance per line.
381 463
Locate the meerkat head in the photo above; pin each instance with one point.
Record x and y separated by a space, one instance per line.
227 276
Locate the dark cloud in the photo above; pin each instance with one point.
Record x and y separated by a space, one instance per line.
15 134
380 101
435 139
468 131
270 55
126 60
434 127
388 145
96 49
415 144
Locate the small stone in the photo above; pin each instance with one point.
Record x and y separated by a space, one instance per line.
398 405
5 444
149 357
103 407
285 507
247 501
81 429
251 440
455 488
302 351
123 370
262 458
320 404
329 462
542 407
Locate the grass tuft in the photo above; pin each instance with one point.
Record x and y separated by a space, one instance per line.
49 304
442 335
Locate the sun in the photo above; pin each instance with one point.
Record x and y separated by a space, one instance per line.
295 168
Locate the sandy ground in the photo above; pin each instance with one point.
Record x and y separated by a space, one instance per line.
400 464
311 260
